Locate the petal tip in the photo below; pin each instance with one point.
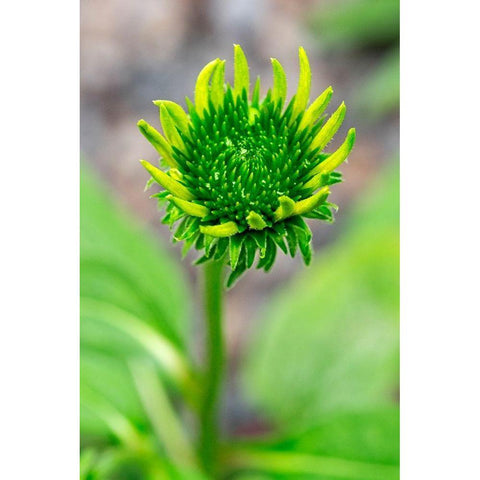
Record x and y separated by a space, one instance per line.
255 221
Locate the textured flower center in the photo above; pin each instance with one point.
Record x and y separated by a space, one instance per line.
245 160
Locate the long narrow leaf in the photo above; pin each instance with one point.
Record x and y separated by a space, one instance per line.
165 422
161 348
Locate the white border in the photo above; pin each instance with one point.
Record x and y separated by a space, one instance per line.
39 44
440 241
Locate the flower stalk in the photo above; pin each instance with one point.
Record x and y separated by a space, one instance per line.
209 428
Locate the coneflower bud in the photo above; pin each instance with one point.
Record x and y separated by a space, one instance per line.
242 172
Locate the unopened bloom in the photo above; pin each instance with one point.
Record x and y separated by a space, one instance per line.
239 172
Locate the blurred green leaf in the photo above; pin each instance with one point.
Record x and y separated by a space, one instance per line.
88 457
352 446
134 337
328 342
380 94
109 403
134 304
120 464
354 24
164 420
371 436
122 264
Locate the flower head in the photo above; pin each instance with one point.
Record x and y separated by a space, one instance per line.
240 172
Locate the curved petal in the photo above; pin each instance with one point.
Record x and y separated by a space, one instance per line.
316 108
193 209
177 113
201 87
223 230
174 187
217 92
170 129
279 91
304 82
158 141
304 206
336 158
285 209
330 128
242 75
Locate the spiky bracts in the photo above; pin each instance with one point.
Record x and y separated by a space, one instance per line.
241 172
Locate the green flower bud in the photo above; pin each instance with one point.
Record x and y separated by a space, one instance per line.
243 171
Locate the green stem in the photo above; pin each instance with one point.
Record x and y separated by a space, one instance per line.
215 364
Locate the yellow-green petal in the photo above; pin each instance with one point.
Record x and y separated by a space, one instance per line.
176 112
253 113
305 206
329 129
170 129
279 91
193 209
242 75
304 81
175 174
158 142
285 209
223 230
174 187
316 108
315 182
201 87
339 156
255 221
217 91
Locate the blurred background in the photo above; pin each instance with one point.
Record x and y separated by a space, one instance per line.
312 353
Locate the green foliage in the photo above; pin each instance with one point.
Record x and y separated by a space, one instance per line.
380 94
354 446
369 436
134 311
355 24
120 464
328 342
124 265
